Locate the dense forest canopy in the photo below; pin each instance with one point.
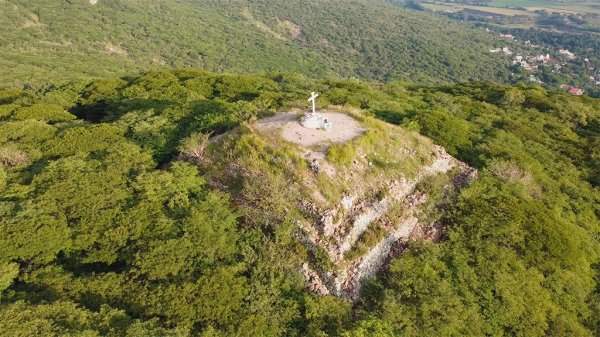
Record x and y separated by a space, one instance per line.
46 41
107 229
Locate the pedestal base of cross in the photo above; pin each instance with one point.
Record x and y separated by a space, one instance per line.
315 120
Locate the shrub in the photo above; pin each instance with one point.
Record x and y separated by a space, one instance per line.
43 112
102 89
202 86
8 272
2 178
7 109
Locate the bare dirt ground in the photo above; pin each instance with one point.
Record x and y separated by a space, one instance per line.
344 128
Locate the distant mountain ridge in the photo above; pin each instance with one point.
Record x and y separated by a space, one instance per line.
370 40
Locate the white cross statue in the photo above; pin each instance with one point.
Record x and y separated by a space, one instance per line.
313 98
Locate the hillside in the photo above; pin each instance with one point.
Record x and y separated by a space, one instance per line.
47 41
354 199
172 204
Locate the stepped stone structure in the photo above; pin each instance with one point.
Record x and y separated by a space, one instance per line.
337 238
384 185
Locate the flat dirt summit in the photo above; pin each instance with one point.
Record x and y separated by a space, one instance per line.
345 128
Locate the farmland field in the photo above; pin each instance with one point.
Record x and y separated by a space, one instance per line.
500 10
550 6
520 3
493 10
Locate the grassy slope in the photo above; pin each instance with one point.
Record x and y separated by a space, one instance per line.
72 39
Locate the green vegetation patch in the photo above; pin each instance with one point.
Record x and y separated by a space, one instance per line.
52 41
105 230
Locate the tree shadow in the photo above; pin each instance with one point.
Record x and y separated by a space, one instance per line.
390 116
203 116
110 110
206 116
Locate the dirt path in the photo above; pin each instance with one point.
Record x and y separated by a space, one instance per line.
344 128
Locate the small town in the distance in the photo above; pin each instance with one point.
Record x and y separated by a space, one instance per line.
352 168
539 61
532 63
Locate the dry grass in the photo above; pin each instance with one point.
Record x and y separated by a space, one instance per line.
511 171
362 165
10 156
